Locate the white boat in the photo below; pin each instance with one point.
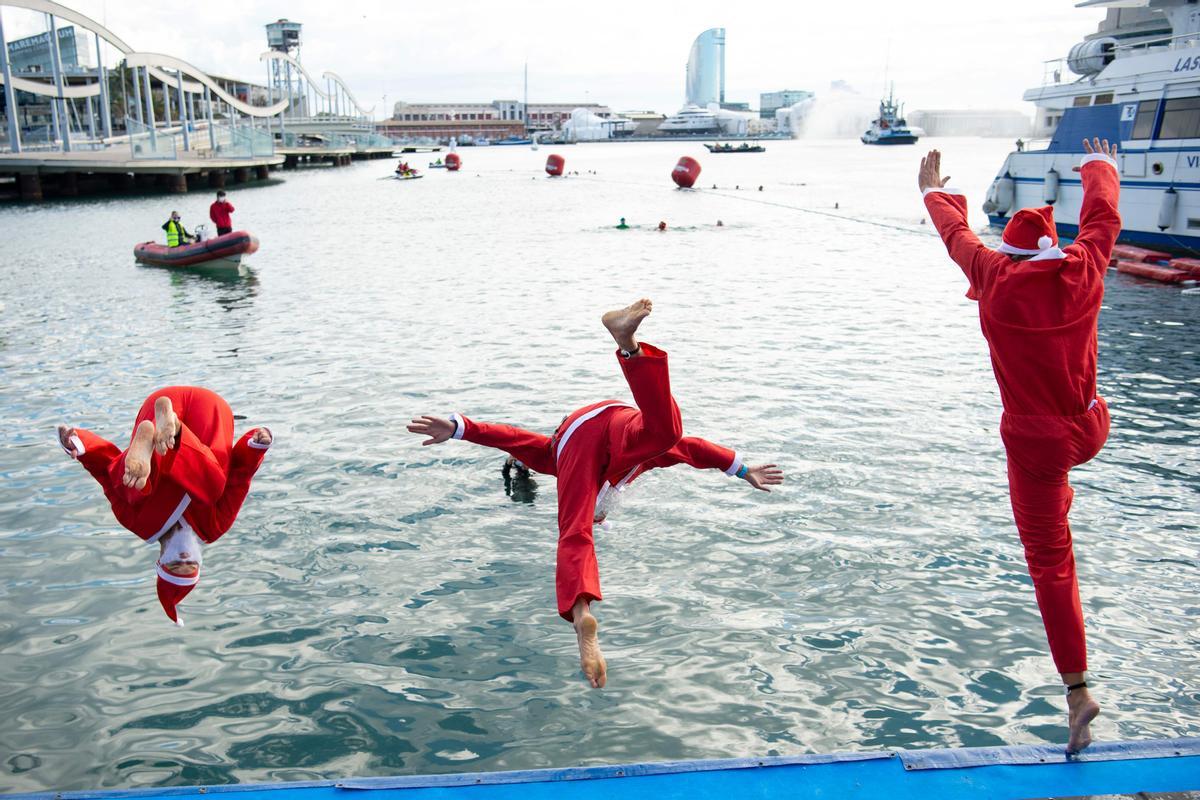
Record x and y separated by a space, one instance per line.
690 119
1137 88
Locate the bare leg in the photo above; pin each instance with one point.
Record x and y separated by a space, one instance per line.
623 323
166 425
1081 710
137 458
590 658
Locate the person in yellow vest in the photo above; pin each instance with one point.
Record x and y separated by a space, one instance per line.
176 234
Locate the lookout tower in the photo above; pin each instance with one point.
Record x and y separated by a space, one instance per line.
284 35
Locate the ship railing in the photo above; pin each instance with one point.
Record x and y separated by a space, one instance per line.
1056 70
1176 42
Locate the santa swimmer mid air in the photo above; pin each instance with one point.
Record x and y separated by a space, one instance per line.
1038 310
181 482
594 454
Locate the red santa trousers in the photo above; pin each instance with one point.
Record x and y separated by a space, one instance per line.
1042 449
614 440
204 480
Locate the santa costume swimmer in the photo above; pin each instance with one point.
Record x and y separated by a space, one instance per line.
597 451
1038 309
181 482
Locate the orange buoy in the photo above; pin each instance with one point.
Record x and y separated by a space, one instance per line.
555 165
686 172
453 162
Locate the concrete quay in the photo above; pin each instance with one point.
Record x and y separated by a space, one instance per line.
39 174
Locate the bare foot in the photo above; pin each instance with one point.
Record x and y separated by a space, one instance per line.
590 658
623 323
1082 710
262 436
166 425
65 432
137 458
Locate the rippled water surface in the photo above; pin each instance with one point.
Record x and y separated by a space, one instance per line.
383 608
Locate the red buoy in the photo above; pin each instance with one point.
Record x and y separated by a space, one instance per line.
555 165
453 162
686 172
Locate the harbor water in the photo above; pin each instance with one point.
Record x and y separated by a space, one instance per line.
386 608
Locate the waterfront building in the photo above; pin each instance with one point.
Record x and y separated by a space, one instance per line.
971 122
30 57
706 69
494 120
770 102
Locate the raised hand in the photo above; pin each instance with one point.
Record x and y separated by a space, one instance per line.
930 174
437 429
262 436
764 475
1098 145
65 432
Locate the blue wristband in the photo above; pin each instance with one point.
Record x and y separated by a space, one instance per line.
744 471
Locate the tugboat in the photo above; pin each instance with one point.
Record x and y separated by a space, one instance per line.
890 127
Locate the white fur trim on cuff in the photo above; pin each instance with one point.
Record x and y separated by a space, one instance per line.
259 445
943 190
735 466
460 427
77 443
1090 157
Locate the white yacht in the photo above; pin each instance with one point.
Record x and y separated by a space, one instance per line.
1136 84
690 119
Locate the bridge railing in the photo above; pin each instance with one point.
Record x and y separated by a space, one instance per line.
242 141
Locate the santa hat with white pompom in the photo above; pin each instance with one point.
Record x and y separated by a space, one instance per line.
1031 233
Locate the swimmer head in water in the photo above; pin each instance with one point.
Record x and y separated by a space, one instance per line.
662 226
518 481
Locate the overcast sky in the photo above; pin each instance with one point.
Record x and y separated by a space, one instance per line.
626 54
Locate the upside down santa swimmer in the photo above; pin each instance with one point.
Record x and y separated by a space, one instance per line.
181 482
596 451
1038 309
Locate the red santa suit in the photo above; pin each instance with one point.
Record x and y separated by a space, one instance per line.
597 451
1039 318
201 482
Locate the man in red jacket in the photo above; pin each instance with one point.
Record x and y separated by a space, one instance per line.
219 212
181 482
1038 308
595 453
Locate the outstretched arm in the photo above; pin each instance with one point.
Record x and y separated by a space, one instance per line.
532 449
703 454
948 210
1099 219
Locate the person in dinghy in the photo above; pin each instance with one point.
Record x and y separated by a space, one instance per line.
180 483
594 454
1038 309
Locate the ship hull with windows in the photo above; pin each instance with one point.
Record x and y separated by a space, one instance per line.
1144 94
